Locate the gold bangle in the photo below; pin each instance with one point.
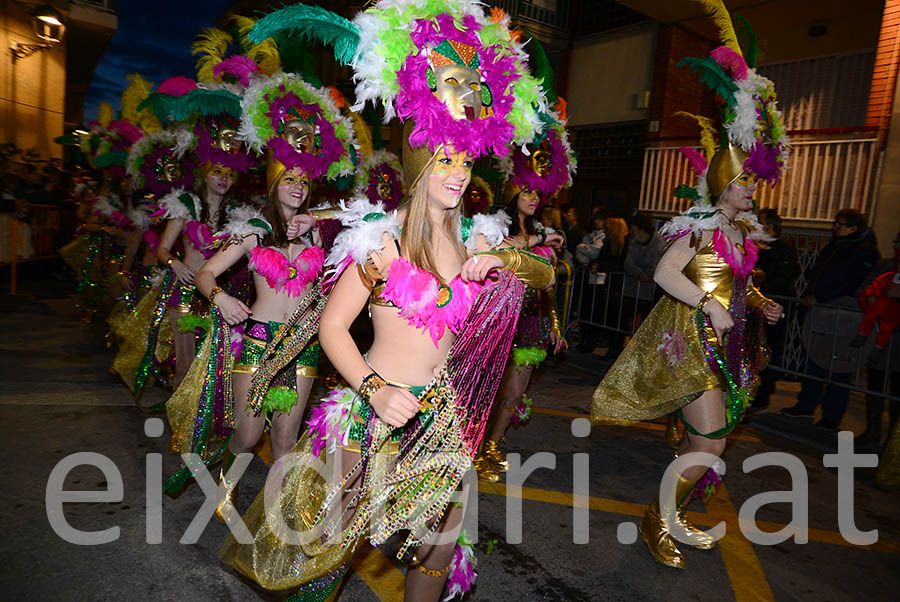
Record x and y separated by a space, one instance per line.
706 298
212 294
430 573
369 385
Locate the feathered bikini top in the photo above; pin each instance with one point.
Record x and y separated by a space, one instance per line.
418 294
179 204
281 274
284 275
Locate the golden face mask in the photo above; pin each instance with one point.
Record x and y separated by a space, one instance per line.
218 170
459 88
300 135
227 141
540 162
293 178
745 180
448 161
171 171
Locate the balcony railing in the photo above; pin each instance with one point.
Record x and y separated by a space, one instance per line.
823 177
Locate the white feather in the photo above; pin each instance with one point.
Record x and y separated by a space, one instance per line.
175 208
494 228
237 225
361 238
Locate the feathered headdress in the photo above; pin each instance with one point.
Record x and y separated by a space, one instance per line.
395 47
108 141
380 179
151 157
754 137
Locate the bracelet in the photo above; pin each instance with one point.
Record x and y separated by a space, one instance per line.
169 261
428 572
543 235
212 294
369 385
706 298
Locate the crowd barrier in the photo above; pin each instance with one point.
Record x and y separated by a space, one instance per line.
809 343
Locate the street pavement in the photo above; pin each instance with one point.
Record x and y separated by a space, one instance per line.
56 399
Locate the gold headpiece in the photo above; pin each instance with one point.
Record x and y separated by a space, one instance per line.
415 159
725 167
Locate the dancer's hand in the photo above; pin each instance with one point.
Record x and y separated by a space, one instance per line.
722 322
300 225
233 310
183 272
477 267
554 240
394 405
773 312
557 342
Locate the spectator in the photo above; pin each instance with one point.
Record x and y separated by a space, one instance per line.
571 231
780 268
644 249
606 298
835 278
883 369
589 248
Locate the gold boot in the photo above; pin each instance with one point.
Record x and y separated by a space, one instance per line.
485 468
692 535
655 533
673 437
491 449
231 487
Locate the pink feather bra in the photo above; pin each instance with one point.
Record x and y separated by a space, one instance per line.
426 303
284 275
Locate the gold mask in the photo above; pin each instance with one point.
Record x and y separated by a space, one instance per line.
540 162
171 171
300 135
227 140
459 88
383 187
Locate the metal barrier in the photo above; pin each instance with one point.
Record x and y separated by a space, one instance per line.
819 335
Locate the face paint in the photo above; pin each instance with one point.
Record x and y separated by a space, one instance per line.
459 88
450 161
745 180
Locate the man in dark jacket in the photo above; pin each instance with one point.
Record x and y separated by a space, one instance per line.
835 278
780 268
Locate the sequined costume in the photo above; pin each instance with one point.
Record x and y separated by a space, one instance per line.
672 358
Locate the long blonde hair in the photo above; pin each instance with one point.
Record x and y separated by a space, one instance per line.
616 231
415 240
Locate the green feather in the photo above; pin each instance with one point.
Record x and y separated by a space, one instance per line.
751 52
687 192
279 399
208 103
112 158
162 105
297 57
529 356
67 139
543 72
259 223
714 77
188 201
191 322
311 23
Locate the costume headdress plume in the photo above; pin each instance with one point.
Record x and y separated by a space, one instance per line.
754 139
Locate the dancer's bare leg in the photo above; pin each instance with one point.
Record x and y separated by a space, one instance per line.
185 348
706 414
427 585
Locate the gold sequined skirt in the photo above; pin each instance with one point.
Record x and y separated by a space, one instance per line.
662 369
271 560
134 332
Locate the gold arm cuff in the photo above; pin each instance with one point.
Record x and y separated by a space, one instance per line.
530 269
550 310
756 299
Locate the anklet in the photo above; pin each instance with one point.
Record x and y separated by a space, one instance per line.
425 571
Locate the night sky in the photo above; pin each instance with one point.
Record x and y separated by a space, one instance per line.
154 39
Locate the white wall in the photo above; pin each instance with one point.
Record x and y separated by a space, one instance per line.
606 74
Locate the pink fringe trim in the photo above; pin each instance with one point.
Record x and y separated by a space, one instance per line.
415 292
276 268
741 263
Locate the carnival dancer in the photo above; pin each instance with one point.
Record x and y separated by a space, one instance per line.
700 350
304 138
380 179
533 180
96 254
441 336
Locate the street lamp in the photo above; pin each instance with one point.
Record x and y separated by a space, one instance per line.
48 26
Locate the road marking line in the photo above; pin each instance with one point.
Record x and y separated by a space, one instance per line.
380 574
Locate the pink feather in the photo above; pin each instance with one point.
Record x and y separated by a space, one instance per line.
275 267
177 86
741 263
239 66
698 162
127 130
730 60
